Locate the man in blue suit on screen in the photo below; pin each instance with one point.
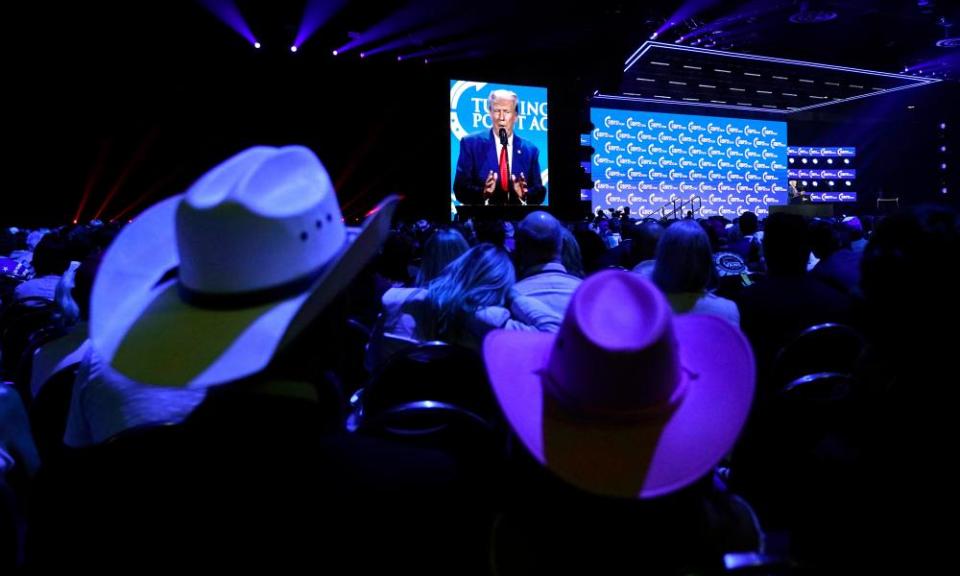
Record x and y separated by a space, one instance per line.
496 166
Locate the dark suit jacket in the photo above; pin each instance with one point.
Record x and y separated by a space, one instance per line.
478 156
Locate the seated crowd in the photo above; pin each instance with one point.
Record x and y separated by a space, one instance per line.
179 391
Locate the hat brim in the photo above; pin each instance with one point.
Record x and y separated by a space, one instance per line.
141 327
645 458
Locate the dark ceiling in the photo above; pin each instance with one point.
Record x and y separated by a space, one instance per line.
131 100
589 38
668 73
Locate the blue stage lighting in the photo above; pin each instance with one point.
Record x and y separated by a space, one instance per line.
336 52
256 45
293 48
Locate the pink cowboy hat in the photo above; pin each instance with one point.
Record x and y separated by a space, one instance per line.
627 399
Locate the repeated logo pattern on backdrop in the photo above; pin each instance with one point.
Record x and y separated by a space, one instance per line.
645 160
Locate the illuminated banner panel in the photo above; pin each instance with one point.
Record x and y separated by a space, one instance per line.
646 160
815 174
821 151
833 196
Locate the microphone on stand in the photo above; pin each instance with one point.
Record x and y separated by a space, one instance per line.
503 142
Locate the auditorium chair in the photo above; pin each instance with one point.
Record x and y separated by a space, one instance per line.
828 347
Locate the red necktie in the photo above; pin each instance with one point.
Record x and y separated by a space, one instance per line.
504 171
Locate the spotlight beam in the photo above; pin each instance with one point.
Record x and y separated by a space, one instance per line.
92 178
404 19
227 12
316 13
132 165
158 185
447 48
418 38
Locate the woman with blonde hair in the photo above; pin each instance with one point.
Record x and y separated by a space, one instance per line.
474 296
683 269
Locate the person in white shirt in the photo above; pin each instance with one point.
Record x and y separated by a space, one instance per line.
539 256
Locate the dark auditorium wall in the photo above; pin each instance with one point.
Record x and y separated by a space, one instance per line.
165 94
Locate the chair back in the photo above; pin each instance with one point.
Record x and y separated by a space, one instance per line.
18 324
434 371
48 412
382 345
433 394
828 347
887 200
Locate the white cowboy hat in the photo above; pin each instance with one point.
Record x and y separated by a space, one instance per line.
205 287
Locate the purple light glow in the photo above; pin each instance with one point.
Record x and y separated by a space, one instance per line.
336 52
256 45
446 48
417 38
228 13
450 57
316 13
688 9
411 16
293 48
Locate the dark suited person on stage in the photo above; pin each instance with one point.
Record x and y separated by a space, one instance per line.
795 195
496 166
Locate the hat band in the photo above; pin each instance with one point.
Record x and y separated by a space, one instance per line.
575 408
251 298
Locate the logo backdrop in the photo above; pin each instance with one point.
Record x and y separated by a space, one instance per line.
645 160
